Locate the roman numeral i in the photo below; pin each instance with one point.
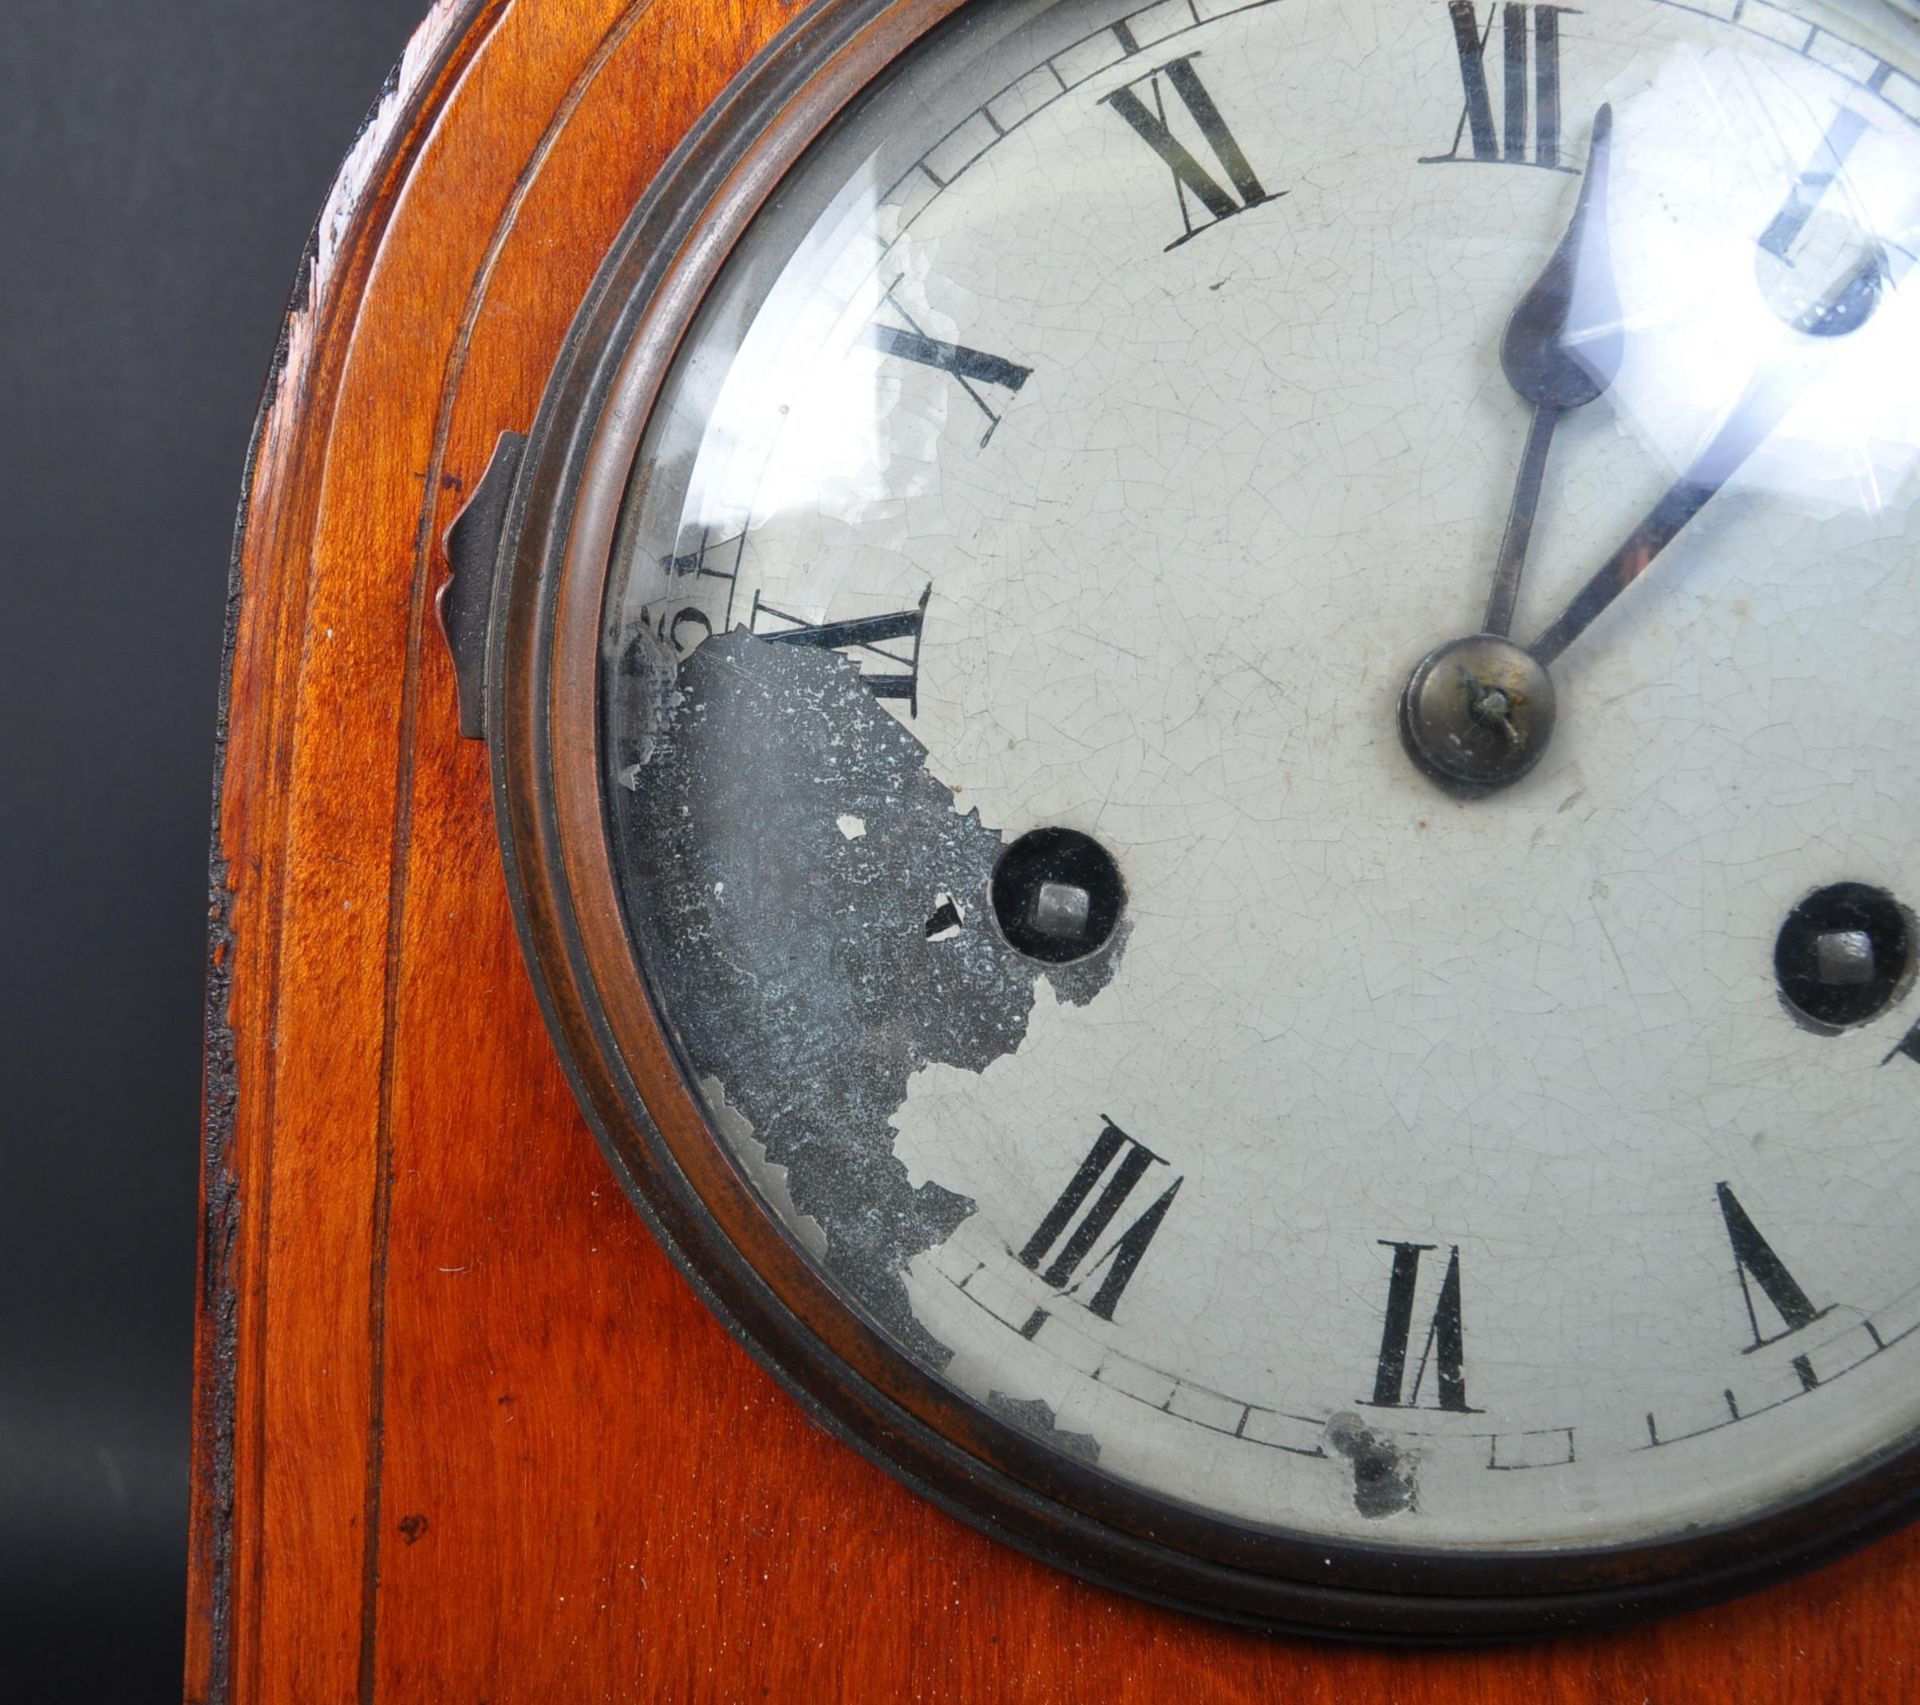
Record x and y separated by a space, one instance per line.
1122 1163
1813 184
1192 182
1527 131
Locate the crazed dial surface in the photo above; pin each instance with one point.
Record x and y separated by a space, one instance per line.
1102 426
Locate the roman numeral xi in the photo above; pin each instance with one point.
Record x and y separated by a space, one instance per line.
1193 183
1116 1165
1526 129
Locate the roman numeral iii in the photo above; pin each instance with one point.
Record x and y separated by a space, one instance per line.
1192 182
1526 130
1122 1164
1443 1349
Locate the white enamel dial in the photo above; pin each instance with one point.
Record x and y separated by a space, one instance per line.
1100 430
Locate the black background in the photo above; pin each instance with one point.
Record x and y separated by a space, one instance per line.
161 164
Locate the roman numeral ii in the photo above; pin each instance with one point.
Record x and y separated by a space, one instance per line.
1192 182
1444 1348
1526 130
1122 1163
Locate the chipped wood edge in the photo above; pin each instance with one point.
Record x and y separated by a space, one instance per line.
341 241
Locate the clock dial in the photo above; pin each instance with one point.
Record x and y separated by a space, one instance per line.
1256 736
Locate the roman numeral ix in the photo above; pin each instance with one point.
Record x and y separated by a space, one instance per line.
1444 1347
1527 129
1192 182
891 640
1760 1270
1122 1163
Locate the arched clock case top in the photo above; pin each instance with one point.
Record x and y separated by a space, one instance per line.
542 639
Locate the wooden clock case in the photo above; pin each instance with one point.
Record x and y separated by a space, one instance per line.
462 1431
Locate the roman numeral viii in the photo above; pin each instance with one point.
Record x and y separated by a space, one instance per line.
1526 131
1761 1271
1444 1347
1121 1163
1192 182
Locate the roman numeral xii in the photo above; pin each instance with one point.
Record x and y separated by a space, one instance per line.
1525 130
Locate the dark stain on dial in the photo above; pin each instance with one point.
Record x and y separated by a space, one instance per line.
1032 1415
1383 1473
783 847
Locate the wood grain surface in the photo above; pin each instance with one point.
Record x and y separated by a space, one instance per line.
463 1434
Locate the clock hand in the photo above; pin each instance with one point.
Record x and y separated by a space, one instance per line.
1556 364
1478 713
1763 406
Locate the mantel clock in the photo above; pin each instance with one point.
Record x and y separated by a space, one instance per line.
1201 728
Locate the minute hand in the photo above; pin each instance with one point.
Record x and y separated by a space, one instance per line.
1767 401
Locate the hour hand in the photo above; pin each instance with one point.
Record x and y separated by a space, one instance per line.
1562 349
